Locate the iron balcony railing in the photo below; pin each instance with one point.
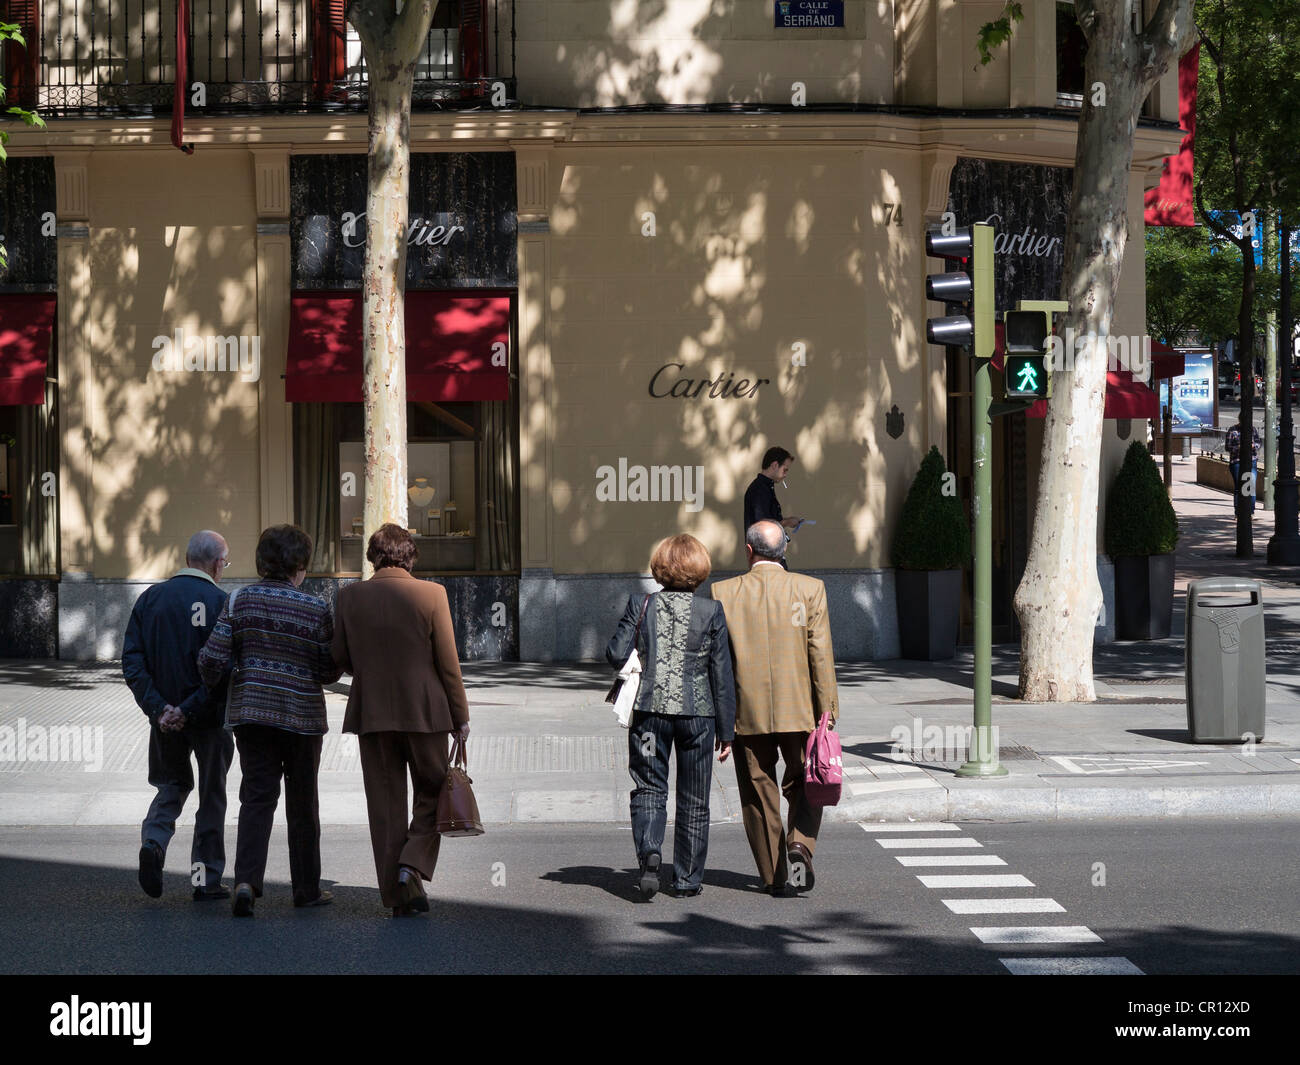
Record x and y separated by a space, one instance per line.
92 57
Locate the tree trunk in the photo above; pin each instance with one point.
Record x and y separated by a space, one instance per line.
391 43
1059 597
1246 419
1270 379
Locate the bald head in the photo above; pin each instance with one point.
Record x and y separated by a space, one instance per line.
205 551
766 539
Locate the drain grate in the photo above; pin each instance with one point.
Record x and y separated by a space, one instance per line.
1008 753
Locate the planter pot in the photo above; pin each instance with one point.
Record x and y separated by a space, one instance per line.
1144 596
929 607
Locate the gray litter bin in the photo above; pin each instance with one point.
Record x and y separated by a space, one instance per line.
1224 660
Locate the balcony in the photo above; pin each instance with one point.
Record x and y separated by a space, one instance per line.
87 58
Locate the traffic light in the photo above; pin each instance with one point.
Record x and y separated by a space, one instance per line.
967 292
1025 359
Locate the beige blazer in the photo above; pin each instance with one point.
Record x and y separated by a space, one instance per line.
781 649
393 634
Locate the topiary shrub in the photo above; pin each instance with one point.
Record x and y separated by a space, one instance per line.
1140 519
932 533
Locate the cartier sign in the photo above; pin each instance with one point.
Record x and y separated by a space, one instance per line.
669 382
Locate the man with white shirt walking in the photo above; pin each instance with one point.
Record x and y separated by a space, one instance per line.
785 680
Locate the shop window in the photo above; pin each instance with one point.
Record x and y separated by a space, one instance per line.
28 496
1071 49
461 495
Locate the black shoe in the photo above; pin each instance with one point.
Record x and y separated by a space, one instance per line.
151 867
777 891
800 877
323 899
649 882
409 884
243 904
208 894
688 893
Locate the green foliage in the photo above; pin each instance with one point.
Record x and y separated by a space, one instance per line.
996 33
932 533
1140 519
1193 293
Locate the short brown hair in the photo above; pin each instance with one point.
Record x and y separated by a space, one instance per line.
282 550
391 545
681 562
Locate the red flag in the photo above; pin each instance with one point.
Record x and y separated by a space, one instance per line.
182 65
1170 202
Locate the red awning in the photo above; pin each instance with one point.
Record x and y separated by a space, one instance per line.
452 351
26 333
1165 361
1125 398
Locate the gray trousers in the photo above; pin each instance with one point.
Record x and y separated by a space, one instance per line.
172 773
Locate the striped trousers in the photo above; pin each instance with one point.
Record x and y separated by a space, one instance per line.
651 738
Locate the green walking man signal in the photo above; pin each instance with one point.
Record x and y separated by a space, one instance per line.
1025 360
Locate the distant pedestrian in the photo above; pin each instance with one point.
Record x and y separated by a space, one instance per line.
1233 443
686 700
277 641
761 503
785 680
169 625
394 634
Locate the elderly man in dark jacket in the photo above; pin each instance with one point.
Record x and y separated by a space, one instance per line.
169 626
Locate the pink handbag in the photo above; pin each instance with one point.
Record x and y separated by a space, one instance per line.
823 774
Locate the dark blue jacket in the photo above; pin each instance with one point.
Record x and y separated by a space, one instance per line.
169 625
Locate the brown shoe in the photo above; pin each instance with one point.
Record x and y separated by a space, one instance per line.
323 899
799 860
412 891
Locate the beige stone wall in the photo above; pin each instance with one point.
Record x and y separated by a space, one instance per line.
591 53
754 252
171 245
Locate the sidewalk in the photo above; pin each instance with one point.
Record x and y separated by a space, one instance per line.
545 748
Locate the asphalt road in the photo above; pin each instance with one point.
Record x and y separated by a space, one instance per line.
1178 898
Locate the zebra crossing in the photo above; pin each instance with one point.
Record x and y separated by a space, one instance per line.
930 838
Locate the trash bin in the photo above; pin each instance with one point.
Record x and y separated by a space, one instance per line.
1224 661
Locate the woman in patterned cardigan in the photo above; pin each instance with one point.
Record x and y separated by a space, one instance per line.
687 698
277 640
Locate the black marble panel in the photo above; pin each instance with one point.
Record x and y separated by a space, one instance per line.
484 612
29 619
1029 206
461 222
27 211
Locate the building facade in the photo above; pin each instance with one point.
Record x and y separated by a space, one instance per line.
647 242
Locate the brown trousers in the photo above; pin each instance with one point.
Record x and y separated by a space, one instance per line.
385 757
761 802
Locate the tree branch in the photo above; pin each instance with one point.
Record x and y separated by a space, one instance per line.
1167 35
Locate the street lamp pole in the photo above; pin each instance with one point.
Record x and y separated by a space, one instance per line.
1284 544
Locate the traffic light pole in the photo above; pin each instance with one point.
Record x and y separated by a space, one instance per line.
983 760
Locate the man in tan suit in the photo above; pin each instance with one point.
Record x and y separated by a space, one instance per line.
785 679
394 634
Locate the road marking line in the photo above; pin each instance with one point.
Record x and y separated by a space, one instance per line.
924 826
1071 933
907 844
1088 764
877 786
1071 967
949 859
960 880
1004 905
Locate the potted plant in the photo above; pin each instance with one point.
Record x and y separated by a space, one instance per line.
1141 531
931 545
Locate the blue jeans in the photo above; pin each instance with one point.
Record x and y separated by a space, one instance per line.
1235 469
651 739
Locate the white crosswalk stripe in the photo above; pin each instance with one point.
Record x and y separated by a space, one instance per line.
920 826
1004 905
931 860
975 880
911 844
1112 966
1069 933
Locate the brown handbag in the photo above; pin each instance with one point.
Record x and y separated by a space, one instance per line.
457 808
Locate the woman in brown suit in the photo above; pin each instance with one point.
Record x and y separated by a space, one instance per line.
393 633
